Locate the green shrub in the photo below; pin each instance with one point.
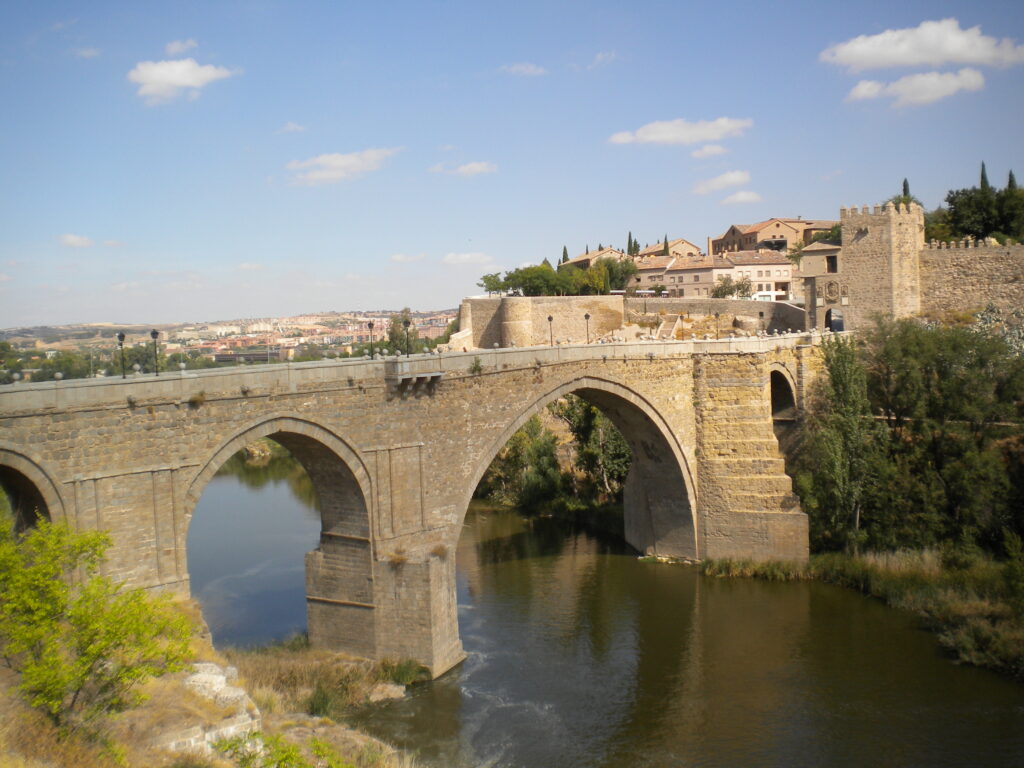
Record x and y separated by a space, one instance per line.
82 645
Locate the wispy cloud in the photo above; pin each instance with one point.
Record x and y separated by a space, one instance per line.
162 81
75 241
178 47
602 58
523 68
743 196
709 150
460 259
406 258
923 88
249 266
5 278
86 53
682 131
727 179
931 43
331 168
466 169
291 127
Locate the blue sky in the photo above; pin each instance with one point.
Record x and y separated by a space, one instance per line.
195 161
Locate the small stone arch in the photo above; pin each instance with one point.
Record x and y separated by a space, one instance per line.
782 392
339 572
660 502
30 486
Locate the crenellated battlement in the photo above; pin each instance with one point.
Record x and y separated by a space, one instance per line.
889 209
970 242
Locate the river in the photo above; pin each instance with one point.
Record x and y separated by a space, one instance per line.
579 654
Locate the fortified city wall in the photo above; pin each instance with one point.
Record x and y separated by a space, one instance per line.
886 269
962 276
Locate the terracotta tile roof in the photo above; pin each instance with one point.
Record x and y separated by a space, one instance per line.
680 245
745 258
654 262
693 262
822 245
604 253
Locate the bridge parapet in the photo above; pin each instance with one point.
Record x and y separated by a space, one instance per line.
427 369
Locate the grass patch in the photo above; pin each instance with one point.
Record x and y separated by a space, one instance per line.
967 598
404 672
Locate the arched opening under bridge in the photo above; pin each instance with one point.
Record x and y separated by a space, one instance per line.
294 556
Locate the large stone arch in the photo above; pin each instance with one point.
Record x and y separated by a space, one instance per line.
339 573
30 483
660 504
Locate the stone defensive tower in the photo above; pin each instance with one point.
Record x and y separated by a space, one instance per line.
879 268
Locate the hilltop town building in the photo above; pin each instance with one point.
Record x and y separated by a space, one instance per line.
775 234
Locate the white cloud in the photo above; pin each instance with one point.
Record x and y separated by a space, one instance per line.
249 266
291 127
126 286
709 150
523 68
113 243
683 132
931 43
406 258
86 53
923 88
178 47
327 169
4 278
459 259
466 169
161 81
743 196
602 58
727 179
75 241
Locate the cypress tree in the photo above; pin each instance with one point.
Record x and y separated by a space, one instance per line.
588 249
565 254
906 191
984 178
664 249
1011 183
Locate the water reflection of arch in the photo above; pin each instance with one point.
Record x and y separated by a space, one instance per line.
339 573
29 486
659 500
782 384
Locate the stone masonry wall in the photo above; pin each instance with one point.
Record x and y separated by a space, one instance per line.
964 277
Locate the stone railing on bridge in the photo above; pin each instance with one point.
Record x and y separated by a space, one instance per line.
415 374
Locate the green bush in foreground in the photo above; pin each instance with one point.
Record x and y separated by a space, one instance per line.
80 642
259 750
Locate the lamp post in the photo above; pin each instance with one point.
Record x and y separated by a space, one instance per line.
586 317
370 326
120 343
156 357
408 345
551 331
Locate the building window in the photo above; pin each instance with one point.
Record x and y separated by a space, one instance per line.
682 291
832 263
696 278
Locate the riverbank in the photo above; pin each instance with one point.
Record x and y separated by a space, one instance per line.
296 696
970 601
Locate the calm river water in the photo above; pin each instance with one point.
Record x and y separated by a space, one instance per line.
580 655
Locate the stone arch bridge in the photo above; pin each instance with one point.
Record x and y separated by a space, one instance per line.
395 449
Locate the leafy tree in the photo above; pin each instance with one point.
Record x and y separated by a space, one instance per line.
727 287
397 338
601 452
525 473
620 273
492 283
842 447
905 198
81 645
937 225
